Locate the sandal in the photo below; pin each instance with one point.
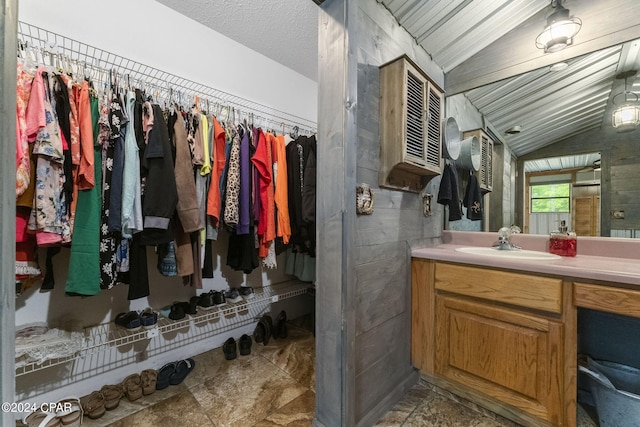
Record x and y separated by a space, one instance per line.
130 320
148 318
71 415
40 418
112 395
93 405
164 375
132 387
183 368
149 379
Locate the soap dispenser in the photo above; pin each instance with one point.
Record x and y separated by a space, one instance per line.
563 242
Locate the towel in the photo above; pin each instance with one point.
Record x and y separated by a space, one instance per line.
472 199
448 193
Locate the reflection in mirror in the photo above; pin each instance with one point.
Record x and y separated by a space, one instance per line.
566 189
547 114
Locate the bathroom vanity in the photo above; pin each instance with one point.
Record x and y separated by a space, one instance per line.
502 331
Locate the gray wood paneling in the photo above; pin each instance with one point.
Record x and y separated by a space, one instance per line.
380 291
382 240
8 29
377 343
335 325
387 372
369 254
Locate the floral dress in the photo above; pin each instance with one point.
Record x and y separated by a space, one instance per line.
108 242
23 168
49 216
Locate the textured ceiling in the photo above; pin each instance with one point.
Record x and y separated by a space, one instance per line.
485 48
285 31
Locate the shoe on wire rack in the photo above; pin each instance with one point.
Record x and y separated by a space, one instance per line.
246 292
130 320
218 298
232 295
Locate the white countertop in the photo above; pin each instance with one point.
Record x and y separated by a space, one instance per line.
622 265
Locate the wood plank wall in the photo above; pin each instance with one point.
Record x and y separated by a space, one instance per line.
381 256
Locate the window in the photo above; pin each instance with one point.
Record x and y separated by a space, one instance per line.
547 198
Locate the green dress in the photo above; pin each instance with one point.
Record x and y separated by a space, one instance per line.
84 263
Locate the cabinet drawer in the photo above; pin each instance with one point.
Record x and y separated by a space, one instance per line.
606 298
540 293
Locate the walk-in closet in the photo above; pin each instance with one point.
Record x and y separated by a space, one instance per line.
165 217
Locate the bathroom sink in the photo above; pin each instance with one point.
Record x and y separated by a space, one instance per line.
520 254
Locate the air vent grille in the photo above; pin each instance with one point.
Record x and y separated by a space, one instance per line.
415 117
486 168
433 133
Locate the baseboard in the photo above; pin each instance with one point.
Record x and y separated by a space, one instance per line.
390 400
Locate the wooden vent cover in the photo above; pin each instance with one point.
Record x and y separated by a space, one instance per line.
410 126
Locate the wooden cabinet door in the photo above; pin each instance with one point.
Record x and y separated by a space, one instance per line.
586 215
512 356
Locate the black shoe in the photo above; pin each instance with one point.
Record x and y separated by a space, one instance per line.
259 332
229 349
130 320
206 300
183 368
268 328
281 325
192 307
246 292
177 311
232 295
219 299
245 345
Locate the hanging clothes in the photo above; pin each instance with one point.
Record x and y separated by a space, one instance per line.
84 276
108 242
232 189
281 196
246 175
187 206
49 217
23 162
117 122
219 160
160 194
131 196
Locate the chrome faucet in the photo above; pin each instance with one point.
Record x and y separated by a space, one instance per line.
504 238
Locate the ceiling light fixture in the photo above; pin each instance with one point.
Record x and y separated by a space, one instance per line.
626 117
558 66
560 29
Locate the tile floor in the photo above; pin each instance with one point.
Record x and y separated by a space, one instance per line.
275 386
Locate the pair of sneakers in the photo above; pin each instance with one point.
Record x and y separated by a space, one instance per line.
230 348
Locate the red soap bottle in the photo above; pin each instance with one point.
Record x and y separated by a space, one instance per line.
563 242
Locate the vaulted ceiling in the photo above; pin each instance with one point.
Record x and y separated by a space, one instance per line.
486 49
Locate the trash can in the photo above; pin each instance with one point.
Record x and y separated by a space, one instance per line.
616 392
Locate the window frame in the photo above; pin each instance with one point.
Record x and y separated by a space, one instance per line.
540 184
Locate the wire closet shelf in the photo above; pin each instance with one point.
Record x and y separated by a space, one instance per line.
101 338
48 48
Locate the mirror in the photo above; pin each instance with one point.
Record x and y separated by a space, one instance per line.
563 189
560 114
